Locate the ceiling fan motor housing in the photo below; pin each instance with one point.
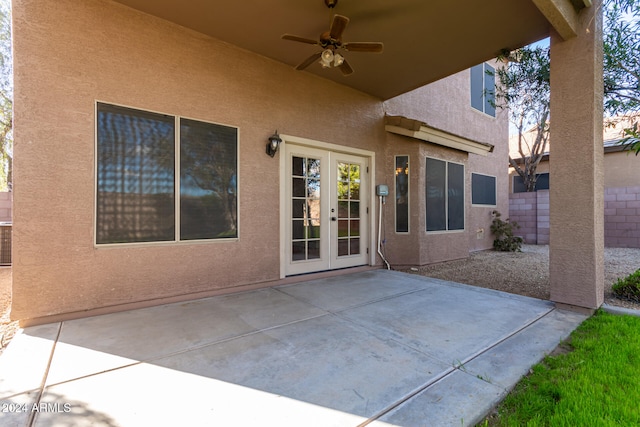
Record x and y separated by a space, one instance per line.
327 41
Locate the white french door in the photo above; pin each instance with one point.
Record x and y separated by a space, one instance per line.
327 210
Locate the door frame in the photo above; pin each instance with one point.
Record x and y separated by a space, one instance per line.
334 148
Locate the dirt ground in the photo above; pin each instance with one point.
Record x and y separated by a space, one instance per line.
525 273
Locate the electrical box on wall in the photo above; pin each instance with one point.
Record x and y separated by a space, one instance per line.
382 190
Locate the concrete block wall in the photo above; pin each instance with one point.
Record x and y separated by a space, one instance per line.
523 209
622 217
5 206
542 221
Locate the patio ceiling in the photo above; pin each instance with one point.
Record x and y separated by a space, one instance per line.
423 40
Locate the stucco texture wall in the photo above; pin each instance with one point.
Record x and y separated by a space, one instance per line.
72 53
446 105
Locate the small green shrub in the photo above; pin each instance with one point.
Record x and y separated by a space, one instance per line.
629 287
503 230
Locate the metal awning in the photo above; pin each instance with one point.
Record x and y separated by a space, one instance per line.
419 130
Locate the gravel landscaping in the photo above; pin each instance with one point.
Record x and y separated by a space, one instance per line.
527 272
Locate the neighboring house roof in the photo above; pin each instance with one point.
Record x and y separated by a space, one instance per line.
611 135
419 130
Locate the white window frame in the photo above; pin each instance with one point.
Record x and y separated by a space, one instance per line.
446 205
176 240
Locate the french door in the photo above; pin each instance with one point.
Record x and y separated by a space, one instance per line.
327 209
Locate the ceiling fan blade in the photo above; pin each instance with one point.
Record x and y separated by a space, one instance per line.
345 68
371 47
337 26
298 39
310 60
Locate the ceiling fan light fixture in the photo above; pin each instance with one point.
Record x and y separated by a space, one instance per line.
330 41
326 58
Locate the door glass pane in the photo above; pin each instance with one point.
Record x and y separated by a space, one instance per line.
314 249
298 166
298 252
313 229
297 189
313 209
343 247
343 228
298 230
354 228
348 192
298 208
354 246
343 209
313 188
305 208
355 210
313 168
354 191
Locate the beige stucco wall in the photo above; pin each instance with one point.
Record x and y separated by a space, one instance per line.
446 104
6 206
70 54
621 169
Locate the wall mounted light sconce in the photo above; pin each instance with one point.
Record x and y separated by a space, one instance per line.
273 144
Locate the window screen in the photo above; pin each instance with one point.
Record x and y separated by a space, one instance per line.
436 195
455 196
136 178
542 183
402 194
208 162
483 189
444 195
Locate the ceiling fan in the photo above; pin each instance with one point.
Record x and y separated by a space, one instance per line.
331 41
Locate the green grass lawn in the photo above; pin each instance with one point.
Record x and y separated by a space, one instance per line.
596 383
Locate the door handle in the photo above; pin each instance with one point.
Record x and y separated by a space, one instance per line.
333 218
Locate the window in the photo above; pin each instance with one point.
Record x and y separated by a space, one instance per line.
483 189
542 183
137 178
402 194
444 195
483 85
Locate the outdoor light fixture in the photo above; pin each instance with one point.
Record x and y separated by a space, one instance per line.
273 144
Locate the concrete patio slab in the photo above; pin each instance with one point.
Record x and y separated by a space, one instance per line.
326 361
378 347
98 343
364 288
